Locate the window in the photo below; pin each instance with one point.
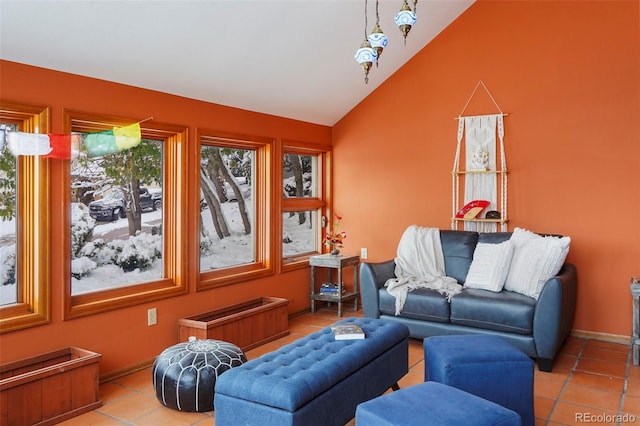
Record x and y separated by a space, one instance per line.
24 225
116 218
8 219
125 216
304 203
234 217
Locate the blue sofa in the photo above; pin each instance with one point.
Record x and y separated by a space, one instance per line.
537 327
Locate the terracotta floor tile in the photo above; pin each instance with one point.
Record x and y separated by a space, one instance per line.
209 421
602 367
599 381
573 414
634 372
131 408
558 374
164 416
572 346
633 387
416 354
411 378
261 350
291 337
542 407
547 388
619 347
303 329
93 418
141 381
587 396
631 405
592 352
564 363
418 367
112 391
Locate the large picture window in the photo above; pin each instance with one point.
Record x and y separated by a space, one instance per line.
24 224
126 211
234 222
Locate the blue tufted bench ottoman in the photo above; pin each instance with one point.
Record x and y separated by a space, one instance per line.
433 404
315 380
485 365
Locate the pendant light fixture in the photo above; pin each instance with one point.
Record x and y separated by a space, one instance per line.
377 38
405 18
366 55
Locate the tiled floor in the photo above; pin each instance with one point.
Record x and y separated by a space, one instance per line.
592 382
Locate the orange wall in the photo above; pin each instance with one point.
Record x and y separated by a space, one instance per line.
568 75
122 336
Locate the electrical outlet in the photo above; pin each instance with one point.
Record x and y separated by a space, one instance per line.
152 317
363 253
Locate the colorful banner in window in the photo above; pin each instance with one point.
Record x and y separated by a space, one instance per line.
66 147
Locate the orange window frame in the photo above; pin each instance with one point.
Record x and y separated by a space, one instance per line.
33 305
320 203
174 220
263 191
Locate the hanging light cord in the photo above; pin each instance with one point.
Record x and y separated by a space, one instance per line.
377 16
365 19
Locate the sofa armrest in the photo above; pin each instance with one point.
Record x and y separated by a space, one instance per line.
372 278
555 309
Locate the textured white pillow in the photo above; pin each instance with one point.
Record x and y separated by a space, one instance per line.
535 260
490 266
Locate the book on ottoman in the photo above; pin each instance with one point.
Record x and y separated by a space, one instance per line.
347 331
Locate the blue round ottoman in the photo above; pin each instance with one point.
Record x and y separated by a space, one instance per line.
184 375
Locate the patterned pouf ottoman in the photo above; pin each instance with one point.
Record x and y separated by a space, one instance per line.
185 374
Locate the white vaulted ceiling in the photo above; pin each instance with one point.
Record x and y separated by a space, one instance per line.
291 58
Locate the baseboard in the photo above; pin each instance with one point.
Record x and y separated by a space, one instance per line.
607 337
127 370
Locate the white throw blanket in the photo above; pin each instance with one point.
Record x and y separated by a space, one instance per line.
420 264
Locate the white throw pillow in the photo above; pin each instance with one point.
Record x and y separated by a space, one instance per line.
490 266
535 260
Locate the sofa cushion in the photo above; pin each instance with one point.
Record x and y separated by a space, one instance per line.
490 266
458 248
421 304
536 258
493 237
505 311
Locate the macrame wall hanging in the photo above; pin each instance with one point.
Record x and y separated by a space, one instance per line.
483 179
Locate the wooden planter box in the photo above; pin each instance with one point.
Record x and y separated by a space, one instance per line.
49 388
247 325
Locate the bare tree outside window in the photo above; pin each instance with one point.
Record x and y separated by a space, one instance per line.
227 210
300 176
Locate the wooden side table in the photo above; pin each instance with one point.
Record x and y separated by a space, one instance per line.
635 337
338 262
